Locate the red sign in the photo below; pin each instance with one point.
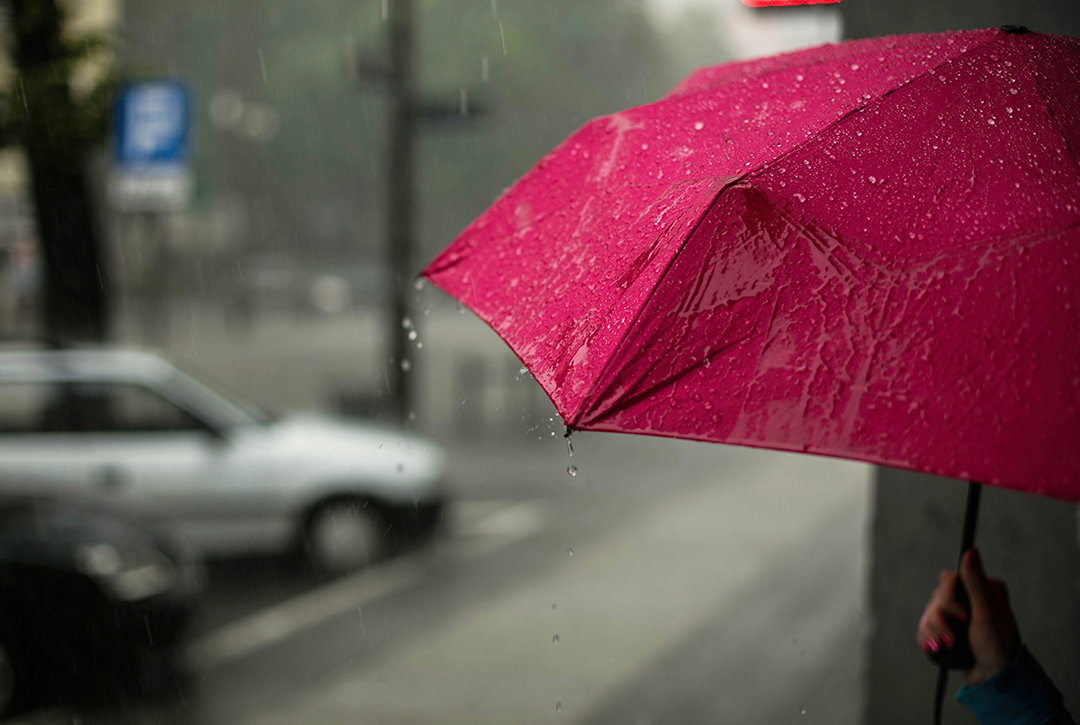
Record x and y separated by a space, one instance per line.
779 3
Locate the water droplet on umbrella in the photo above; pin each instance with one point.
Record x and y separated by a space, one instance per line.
801 198
571 471
698 126
872 180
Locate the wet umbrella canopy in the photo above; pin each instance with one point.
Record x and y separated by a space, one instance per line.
866 250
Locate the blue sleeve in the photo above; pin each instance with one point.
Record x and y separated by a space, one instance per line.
1021 694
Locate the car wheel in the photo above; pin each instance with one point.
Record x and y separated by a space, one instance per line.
344 535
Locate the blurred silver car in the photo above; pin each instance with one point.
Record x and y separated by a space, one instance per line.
133 427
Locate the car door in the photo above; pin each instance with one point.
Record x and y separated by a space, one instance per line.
216 486
40 446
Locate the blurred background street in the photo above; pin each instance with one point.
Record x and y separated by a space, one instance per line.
378 520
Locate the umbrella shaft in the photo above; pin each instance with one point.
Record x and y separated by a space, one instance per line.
971 515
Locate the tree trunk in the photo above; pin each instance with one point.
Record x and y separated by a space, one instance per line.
76 282
76 279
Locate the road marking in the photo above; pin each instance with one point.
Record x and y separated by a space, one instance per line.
476 528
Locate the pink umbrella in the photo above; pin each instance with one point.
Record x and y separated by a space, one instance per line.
866 250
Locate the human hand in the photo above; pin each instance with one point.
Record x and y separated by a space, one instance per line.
992 632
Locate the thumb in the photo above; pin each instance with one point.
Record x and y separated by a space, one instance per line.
974 578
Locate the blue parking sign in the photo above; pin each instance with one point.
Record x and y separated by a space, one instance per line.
152 122
150 146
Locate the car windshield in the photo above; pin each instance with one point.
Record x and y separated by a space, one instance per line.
211 405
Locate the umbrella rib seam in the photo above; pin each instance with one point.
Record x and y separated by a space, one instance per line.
1049 110
587 400
825 129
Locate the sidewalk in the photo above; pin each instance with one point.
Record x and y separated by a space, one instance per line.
718 559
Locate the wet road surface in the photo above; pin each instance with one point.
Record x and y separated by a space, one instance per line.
705 584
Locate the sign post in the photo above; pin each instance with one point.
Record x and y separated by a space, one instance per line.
150 178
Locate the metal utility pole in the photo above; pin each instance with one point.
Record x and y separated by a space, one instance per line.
400 201
394 75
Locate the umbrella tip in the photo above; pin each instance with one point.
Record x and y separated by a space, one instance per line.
1013 28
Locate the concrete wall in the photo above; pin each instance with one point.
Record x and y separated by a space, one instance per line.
1028 541
868 18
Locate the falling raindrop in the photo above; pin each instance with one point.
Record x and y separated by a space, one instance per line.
553 607
802 711
558 707
569 552
571 471
569 447
412 334
419 283
406 365
555 639
461 309
419 346
406 322
427 311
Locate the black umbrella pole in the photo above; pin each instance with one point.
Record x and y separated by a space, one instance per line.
959 656
971 515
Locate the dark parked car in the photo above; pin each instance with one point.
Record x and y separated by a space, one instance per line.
92 604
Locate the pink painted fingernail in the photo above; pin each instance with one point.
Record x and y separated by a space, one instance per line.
925 645
933 645
947 639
